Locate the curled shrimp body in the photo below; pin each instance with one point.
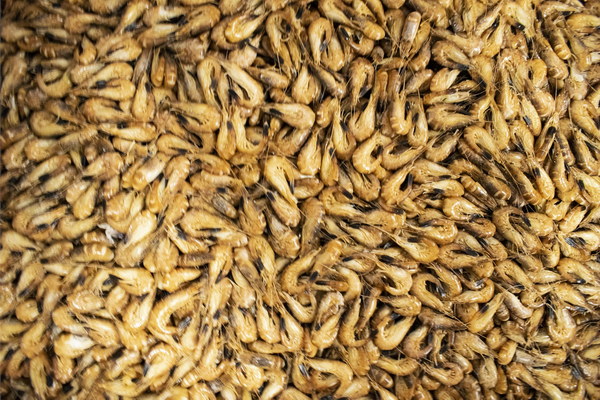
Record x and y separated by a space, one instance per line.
299 116
281 173
585 115
254 95
449 374
510 221
363 157
422 282
340 370
158 322
324 44
343 14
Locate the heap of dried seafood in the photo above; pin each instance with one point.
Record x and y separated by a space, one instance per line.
315 199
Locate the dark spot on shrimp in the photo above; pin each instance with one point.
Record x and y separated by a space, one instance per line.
377 152
146 368
437 193
41 227
131 27
101 84
262 387
347 194
407 182
275 112
17 276
395 316
148 86
259 265
179 20
117 354
181 234
80 280
182 120
323 46
9 354
386 259
363 91
282 324
528 208
576 242
227 353
67 387
471 253
43 178
110 281
161 294
345 34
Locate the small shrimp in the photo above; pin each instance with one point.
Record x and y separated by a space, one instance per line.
325 46
281 173
484 315
253 89
160 315
296 115
586 116
367 157
448 374
340 370
439 321
72 346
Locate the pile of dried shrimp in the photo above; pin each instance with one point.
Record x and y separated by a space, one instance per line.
296 200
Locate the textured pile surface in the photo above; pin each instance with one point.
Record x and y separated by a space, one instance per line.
361 199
